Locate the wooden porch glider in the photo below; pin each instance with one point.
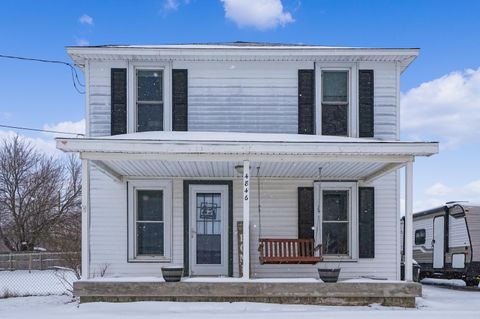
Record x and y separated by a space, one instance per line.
288 251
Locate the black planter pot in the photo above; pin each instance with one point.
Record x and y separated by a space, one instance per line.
329 275
172 274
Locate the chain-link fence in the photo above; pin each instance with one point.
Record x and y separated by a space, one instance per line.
34 274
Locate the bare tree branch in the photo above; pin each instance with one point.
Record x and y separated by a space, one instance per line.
40 199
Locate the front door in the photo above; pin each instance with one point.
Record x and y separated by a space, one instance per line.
438 241
209 230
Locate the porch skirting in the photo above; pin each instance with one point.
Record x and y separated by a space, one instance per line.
400 294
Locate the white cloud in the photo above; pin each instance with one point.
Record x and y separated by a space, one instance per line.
438 194
67 126
82 42
170 5
85 19
45 142
260 14
438 189
445 109
43 145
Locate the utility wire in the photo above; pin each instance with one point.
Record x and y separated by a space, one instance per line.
73 70
39 130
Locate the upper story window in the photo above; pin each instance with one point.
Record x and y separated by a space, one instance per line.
149 100
335 103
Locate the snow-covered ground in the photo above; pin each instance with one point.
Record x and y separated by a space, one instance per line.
436 303
444 282
35 282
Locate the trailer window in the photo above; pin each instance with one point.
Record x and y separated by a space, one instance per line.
420 237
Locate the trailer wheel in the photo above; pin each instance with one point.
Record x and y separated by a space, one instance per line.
422 275
472 281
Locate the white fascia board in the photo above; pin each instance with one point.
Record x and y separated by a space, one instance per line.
80 54
219 149
237 158
273 51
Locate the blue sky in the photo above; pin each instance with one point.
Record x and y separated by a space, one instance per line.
441 87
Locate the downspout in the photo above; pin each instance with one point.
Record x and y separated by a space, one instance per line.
403 239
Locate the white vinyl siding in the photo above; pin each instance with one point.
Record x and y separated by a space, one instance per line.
109 241
280 216
99 99
245 96
386 99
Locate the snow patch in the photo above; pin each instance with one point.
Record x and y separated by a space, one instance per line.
444 282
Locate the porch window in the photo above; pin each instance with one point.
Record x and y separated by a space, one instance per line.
149 220
149 87
335 99
336 222
150 223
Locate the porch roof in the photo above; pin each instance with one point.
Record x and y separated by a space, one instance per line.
214 154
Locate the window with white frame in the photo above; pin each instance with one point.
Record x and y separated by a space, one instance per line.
336 223
335 102
149 100
150 211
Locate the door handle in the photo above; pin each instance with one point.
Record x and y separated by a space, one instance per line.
193 232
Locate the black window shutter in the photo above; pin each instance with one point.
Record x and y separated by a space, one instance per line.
305 213
365 103
366 221
180 99
118 90
306 101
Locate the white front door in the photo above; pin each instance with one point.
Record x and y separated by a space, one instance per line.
209 230
438 241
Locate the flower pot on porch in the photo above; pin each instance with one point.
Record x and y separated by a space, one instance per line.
329 275
172 273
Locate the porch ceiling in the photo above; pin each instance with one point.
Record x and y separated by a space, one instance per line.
202 169
207 154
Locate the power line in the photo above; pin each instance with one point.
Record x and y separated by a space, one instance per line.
38 130
75 79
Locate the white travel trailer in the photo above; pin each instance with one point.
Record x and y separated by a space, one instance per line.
447 241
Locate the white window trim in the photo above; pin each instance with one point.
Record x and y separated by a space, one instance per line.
166 187
352 187
352 69
132 93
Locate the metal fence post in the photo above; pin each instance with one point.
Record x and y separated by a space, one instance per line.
10 262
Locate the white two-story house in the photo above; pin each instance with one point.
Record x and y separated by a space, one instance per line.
228 158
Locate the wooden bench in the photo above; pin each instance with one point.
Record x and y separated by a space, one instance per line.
288 251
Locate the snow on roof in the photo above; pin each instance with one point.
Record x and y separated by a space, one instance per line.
231 45
238 137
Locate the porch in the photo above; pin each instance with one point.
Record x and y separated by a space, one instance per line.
283 291
232 169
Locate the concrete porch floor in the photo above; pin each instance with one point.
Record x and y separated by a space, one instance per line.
298 291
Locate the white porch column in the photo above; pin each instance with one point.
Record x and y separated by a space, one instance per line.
85 219
246 219
408 249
